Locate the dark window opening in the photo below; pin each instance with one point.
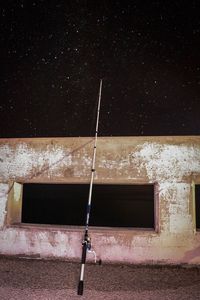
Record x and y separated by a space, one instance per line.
66 204
197 205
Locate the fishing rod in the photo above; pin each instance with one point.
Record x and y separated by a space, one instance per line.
86 244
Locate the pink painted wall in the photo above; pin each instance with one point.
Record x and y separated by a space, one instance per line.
172 163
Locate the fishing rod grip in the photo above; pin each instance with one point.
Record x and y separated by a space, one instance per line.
80 288
83 260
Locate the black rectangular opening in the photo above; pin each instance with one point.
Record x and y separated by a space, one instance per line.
197 205
66 204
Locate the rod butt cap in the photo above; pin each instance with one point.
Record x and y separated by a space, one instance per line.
80 288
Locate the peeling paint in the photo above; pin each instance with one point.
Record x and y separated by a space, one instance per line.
22 161
173 163
167 162
3 199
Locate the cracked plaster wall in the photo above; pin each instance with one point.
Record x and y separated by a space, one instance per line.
172 163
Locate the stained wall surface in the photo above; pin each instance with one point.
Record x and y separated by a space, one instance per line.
171 163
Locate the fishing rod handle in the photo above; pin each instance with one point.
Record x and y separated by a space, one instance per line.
83 260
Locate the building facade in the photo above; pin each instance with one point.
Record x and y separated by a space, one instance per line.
170 164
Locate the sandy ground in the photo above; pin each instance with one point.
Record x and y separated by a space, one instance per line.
35 279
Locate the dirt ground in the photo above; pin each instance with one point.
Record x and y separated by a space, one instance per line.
38 279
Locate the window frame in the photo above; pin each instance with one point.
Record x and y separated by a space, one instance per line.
14 212
194 184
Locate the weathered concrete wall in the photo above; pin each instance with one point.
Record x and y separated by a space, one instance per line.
172 163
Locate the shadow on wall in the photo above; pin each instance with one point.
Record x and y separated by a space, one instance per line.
46 168
191 254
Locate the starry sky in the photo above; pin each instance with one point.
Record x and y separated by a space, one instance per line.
54 53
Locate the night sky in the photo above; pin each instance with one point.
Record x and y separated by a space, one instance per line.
54 53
